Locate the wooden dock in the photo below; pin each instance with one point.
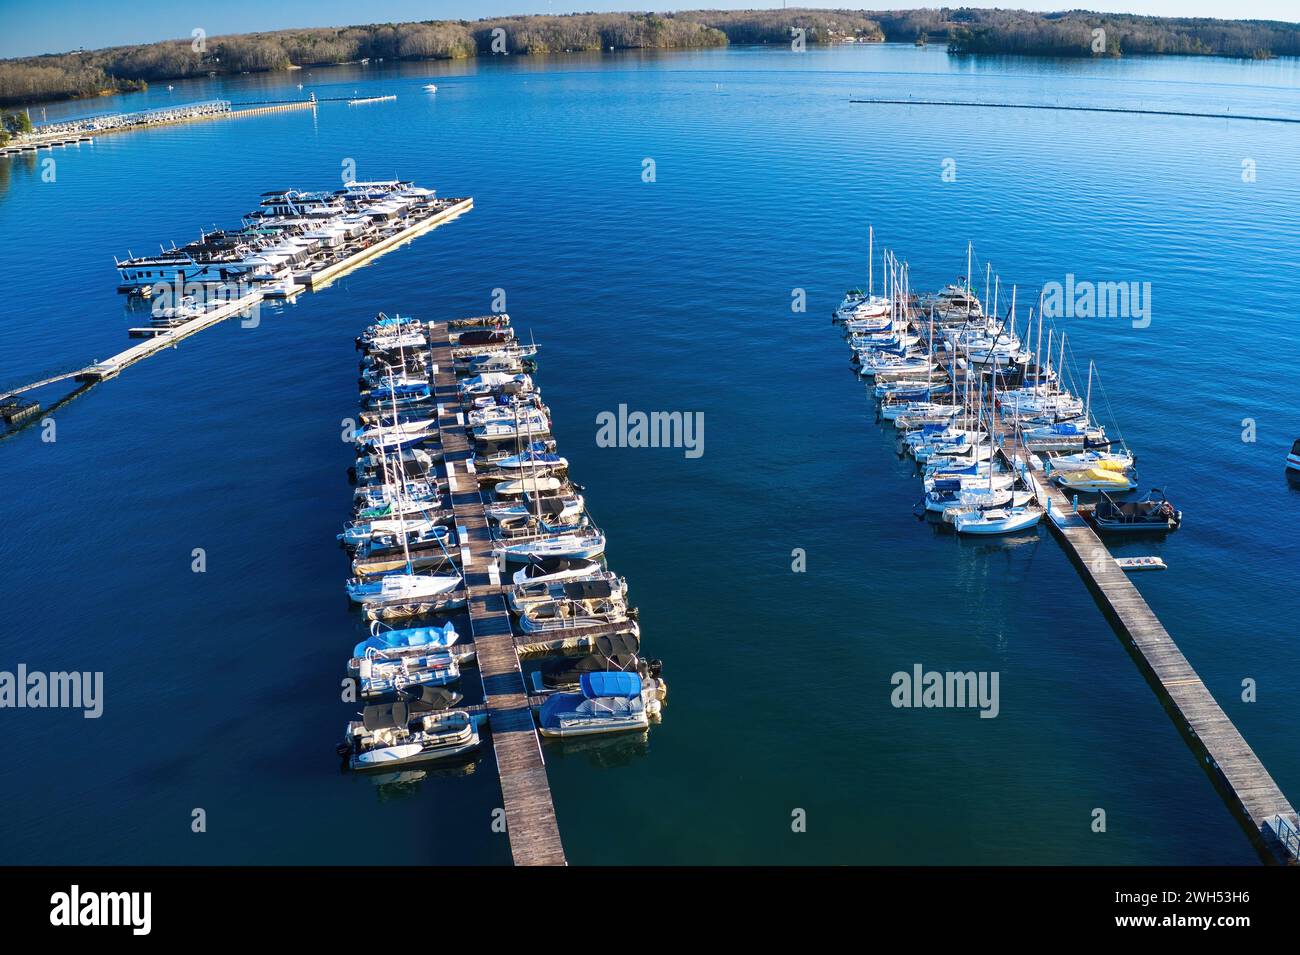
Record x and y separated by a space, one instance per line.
1237 772
1250 792
530 813
325 276
111 367
158 339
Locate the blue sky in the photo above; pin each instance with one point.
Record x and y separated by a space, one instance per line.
46 26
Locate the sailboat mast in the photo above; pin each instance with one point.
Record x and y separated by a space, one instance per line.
1013 314
1038 357
1060 365
397 465
1087 404
968 252
871 262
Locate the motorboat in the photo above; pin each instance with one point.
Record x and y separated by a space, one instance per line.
599 583
528 485
1153 512
1099 478
1000 520
582 603
381 741
609 651
549 511
1293 459
495 383
607 702
1083 460
384 641
381 675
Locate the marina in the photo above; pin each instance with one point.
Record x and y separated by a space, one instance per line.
497 562
1000 437
75 132
294 241
667 296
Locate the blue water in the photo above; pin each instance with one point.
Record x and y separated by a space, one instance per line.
222 687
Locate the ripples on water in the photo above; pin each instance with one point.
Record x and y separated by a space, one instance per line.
673 295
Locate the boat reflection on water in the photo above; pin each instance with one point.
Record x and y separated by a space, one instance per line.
604 752
407 783
1002 542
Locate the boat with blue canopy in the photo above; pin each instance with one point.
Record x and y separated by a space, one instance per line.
608 702
383 642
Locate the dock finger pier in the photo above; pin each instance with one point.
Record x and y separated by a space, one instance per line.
472 548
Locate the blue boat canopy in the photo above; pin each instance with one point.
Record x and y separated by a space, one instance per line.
617 683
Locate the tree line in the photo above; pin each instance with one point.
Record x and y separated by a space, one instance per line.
116 69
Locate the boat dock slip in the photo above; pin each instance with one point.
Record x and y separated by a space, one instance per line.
530 813
84 130
1247 786
994 429
233 288
326 275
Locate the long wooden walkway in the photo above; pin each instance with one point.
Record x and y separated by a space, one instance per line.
530 813
1238 773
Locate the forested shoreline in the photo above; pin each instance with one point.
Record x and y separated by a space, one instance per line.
80 73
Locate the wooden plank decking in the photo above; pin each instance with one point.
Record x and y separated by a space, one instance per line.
1237 772
531 824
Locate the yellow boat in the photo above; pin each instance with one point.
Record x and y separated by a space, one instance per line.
1105 477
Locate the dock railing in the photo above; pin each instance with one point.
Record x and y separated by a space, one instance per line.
1287 835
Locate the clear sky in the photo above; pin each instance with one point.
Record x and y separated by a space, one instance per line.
48 26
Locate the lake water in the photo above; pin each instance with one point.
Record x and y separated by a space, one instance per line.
222 687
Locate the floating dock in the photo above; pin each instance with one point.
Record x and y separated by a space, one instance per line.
1241 778
1237 772
530 812
74 132
323 277
158 339
606 635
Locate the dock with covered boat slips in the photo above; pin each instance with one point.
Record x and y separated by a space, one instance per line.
190 291
1001 438
523 565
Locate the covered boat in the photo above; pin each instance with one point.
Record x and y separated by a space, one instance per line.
555 568
607 702
387 641
1099 478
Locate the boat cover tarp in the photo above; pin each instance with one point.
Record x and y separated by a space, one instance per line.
618 644
443 636
422 699
565 704
588 589
486 337
611 684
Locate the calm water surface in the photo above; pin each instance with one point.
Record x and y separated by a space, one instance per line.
222 687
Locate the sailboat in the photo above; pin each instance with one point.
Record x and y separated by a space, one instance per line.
403 588
999 519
